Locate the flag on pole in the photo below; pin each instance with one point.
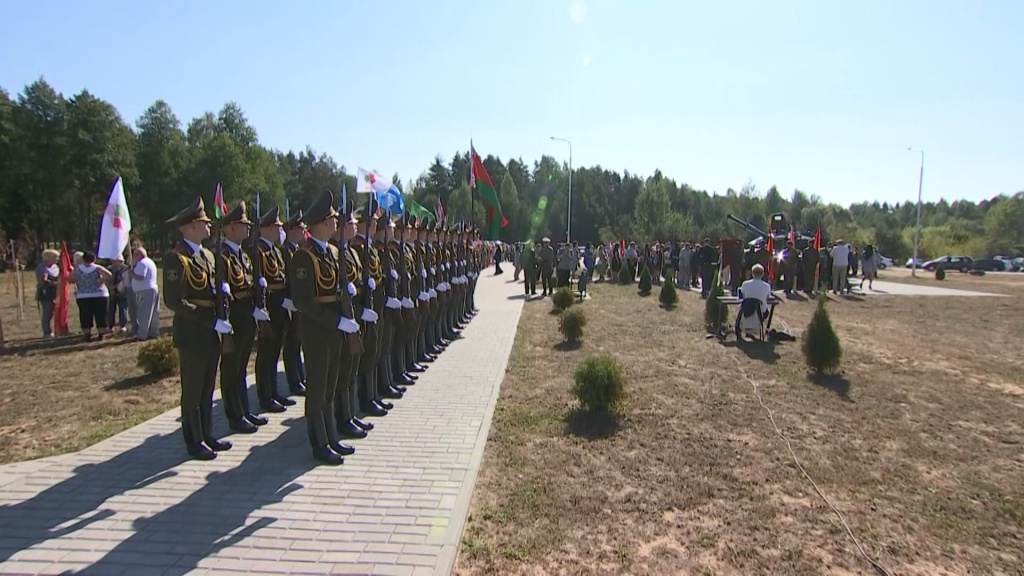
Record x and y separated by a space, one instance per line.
368 182
792 234
440 210
482 181
344 195
817 238
220 209
390 201
419 211
771 258
116 224
60 311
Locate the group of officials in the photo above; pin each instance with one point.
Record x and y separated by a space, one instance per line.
356 306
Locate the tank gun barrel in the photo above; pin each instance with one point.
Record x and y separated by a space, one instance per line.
747 226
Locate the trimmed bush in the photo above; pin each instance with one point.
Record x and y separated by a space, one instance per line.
158 357
668 297
645 281
716 314
625 273
600 385
821 344
940 273
571 324
563 298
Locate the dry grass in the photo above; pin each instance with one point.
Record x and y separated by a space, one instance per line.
919 442
60 399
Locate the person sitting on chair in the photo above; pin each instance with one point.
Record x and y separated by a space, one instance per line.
754 289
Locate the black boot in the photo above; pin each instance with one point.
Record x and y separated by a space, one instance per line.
328 456
201 452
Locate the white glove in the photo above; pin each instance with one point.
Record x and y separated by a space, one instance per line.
407 303
394 274
261 315
424 296
432 293
464 279
371 283
225 289
447 266
368 315
423 273
433 270
348 325
289 305
222 327
441 288
393 303
263 282
408 276
351 289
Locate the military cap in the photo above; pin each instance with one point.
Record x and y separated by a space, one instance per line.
195 212
421 224
236 215
546 239
321 209
272 218
400 222
294 221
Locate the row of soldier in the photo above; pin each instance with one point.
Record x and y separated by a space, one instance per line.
367 303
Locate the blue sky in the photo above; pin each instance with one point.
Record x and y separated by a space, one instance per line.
818 94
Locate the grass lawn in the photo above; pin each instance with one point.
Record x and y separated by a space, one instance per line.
919 443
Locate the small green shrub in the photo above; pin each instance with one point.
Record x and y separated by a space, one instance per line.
940 273
645 281
822 351
158 357
600 384
716 314
625 273
563 298
571 324
668 297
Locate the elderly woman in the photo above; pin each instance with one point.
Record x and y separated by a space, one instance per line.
47 275
91 294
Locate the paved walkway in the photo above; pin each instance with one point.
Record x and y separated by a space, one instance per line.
132 505
901 289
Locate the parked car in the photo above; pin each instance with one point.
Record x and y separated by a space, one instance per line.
961 263
1019 263
910 262
1011 265
884 261
990 265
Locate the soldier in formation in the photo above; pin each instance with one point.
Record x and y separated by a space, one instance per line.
356 306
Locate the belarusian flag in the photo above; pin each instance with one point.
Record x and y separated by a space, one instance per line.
220 209
479 178
116 224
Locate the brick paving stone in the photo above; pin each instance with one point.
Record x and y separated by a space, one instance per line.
134 504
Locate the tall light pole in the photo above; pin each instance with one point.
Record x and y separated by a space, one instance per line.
917 229
568 215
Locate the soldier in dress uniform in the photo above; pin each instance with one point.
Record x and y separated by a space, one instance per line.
428 296
403 263
790 263
419 296
238 275
389 310
326 325
370 279
294 370
271 334
810 258
189 290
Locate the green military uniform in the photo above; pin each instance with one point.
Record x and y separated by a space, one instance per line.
810 258
419 296
546 262
403 261
528 260
790 262
271 334
391 321
367 278
295 371
236 268
189 291
326 327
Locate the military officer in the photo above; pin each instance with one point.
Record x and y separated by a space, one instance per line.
428 294
810 258
295 372
389 309
238 275
403 259
346 400
419 295
271 334
189 290
369 281
326 325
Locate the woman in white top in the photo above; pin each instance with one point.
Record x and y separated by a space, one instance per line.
91 294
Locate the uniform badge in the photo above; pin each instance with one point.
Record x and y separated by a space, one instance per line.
172 276
300 273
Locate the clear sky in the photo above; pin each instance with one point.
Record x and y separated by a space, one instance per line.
819 94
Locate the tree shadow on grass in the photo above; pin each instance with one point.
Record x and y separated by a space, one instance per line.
568 346
590 424
755 349
835 382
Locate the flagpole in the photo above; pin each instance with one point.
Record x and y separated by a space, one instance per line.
472 197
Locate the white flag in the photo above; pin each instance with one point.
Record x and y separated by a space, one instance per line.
367 182
116 224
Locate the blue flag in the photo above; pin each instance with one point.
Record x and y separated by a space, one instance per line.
391 200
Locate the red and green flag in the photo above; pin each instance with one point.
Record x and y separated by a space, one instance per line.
479 179
220 209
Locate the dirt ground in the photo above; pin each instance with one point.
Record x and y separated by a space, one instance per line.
61 396
919 444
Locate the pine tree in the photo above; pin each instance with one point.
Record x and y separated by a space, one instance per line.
645 281
625 273
821 344
668 296
716 314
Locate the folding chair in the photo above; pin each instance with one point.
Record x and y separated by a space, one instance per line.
750 308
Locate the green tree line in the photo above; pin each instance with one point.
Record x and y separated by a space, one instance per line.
59 157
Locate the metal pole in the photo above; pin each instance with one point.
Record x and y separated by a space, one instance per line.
917 230
568 214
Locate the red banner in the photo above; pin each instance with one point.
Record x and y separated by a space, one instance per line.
60 312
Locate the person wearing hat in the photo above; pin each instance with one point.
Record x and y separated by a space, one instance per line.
189 290
402 265
810 258
294 370
790 263
546 262
369 280
417 282
238 274
428 295
389 310
326 325
271 335
528 261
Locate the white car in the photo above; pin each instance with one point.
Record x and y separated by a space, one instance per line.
1010 264
884 261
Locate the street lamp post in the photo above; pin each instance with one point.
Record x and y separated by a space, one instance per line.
568 215
917 228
